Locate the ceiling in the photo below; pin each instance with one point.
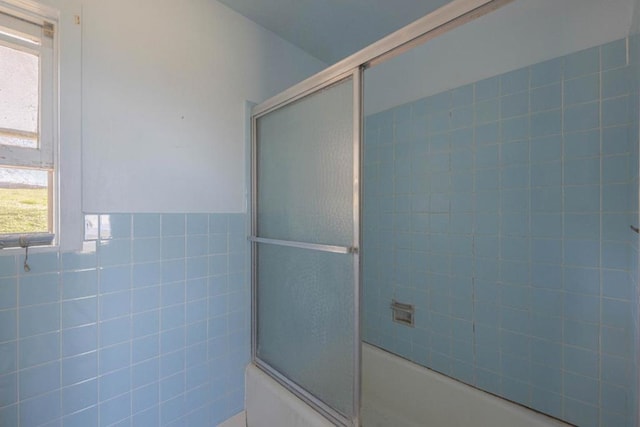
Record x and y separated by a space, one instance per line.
331 30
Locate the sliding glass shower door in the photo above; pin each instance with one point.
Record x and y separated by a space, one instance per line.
305 239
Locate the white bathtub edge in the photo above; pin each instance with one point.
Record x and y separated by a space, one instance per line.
420 394
268 404
397 390
238 420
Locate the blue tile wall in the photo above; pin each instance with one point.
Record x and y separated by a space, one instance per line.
501 210
149 329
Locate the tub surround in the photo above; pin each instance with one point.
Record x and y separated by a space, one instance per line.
501 211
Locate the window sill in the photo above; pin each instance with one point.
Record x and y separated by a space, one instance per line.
21 241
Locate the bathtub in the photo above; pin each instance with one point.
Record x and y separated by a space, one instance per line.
395 392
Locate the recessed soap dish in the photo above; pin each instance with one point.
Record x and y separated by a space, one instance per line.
402 313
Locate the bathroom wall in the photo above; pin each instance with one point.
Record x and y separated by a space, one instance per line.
147 324
515 35
150 328
502 211
163 91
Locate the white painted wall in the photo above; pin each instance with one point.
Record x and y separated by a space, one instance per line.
163 89
163 85
521 33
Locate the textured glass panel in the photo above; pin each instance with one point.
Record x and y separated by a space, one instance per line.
305 169
305 320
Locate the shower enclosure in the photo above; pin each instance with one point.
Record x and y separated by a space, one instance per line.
464 195
305 253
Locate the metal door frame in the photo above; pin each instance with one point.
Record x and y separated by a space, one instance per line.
446 18
330 413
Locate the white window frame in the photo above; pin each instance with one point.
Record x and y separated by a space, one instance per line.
65 121
35 35
42 157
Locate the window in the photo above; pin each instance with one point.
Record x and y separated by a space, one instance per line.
28 118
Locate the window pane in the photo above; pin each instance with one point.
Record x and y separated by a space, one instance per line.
18 98
24 201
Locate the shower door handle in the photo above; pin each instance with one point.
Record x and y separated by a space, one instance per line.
310 246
